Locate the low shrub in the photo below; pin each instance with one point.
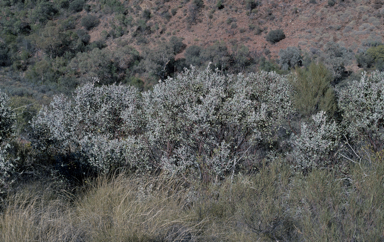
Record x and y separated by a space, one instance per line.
192 55
290 58
147 14
83 36
275 36
76 5
317 144
373 56
90 21
336 58
220 4
251 4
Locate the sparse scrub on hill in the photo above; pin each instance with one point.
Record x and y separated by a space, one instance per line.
193 10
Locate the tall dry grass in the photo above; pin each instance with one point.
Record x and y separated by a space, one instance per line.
275 204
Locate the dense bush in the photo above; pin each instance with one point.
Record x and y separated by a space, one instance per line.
213 123
160 62
290 58
177 44
219 4
364 60
157 63
317 144
201 122
83 36
44 11
218 54
241 59
90 21
373 56
275 36
192 55
76 5
336 58
105 65
4 56
91 124
363 109
199 3
146 14
7 120
68 24
251 4
313 91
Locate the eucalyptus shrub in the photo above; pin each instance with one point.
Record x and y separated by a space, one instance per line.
7 120
90 124
200 122
211 123
362 104
317 145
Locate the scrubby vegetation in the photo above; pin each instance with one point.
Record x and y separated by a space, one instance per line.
114 128
197 154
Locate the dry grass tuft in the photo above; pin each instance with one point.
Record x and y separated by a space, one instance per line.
274 204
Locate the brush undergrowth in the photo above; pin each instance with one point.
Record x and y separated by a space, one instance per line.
276 204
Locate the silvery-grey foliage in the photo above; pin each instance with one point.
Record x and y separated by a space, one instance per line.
210 122
362 103
91 123
6 117
200 121
7 120
317 144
